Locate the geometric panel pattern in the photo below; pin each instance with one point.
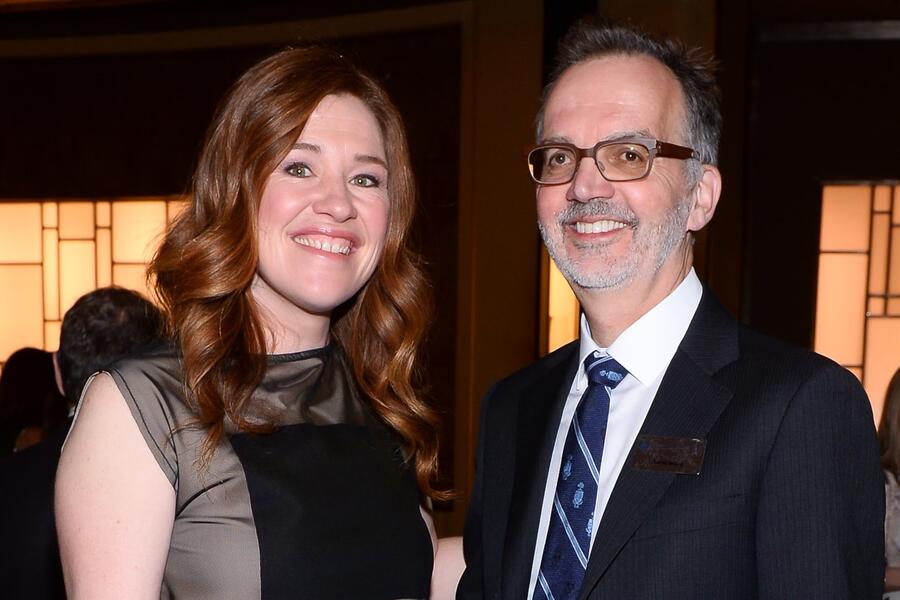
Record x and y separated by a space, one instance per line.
53 251
858 294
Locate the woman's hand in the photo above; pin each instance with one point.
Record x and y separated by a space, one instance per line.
114 505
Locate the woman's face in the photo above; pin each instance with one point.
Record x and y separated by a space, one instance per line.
323 215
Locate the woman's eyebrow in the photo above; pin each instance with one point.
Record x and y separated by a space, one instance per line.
368 158
305 146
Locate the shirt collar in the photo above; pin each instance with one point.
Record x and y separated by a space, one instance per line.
647 346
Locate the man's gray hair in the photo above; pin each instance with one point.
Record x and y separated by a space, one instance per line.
693 68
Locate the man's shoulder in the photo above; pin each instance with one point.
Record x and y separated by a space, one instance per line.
779 354
752 349
781 369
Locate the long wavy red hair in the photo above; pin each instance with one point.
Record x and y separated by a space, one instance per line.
208 259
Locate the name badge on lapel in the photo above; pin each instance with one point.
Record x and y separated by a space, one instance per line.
683 456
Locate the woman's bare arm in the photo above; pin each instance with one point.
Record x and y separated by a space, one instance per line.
114 505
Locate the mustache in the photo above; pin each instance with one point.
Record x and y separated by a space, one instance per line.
576 211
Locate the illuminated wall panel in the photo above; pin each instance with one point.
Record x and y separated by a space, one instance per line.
52 252
77 273
132 277
22 323
841 300
104 257
76 220
20 233
51 214
881 231
858 296
845 218
562 309
104 214
882 359
51 335
893 310
51 274
896 204
137 227
894 269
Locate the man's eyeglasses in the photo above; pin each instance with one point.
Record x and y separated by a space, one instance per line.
619 160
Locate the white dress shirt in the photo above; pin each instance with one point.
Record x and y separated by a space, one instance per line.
645 349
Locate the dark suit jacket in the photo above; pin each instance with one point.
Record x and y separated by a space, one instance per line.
29 555
789 502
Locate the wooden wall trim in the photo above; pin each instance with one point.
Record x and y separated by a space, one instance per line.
283 32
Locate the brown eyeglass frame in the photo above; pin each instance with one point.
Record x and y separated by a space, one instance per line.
654 146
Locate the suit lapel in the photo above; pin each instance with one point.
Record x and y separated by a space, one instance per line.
540 409
687 404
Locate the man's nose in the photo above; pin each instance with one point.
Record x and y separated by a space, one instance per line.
589 183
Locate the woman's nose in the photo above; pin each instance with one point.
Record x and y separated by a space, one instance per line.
336 201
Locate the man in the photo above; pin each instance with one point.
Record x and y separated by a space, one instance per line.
102 327
669 452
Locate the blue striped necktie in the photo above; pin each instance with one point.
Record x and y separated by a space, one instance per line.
572 517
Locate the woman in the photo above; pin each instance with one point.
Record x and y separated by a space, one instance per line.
31 405
889 443
280 449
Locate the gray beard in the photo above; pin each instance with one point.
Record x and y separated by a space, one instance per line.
659 240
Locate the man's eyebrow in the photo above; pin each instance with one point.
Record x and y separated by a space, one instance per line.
368 158
555 140
613 137
628 135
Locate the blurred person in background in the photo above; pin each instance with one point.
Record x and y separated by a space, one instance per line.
889 442
102 327
31 405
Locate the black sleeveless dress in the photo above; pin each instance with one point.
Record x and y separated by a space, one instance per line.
323 507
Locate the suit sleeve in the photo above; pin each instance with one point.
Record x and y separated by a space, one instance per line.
471 585
820 525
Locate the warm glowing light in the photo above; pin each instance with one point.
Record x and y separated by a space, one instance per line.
20 233
51 274
894 277
52 252
76 220
563 311
856 324
21 321
878 255
51 335
882 359
136 230
845 218
77 271
104 257
133 277
841 307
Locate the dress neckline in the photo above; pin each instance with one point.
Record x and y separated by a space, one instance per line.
301 355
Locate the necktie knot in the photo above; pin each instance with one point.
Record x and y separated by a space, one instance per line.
604 370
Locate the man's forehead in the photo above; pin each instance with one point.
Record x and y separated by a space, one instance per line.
622 92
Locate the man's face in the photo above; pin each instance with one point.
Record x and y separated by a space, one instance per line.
607 235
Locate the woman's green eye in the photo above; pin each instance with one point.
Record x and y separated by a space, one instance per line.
298 170
365 181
